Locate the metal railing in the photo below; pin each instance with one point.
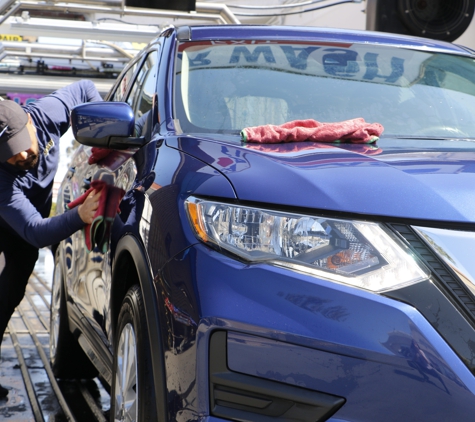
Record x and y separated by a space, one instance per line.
217 12
98 57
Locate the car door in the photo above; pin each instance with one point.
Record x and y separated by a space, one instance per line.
89 278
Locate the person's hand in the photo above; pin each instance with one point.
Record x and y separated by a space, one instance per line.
88 208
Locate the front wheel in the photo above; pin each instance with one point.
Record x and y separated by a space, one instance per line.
132 397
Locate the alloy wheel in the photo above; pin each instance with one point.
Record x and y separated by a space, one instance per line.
126 391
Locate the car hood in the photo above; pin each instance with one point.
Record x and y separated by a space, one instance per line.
418 179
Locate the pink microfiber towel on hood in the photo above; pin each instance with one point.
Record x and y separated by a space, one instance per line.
355 131
98 232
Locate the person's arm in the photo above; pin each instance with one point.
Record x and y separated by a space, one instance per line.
52 112
83 91
18 212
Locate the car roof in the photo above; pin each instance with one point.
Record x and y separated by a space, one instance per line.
318 34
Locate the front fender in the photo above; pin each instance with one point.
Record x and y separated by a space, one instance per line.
131 266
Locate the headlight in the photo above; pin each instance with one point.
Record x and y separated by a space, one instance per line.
358 253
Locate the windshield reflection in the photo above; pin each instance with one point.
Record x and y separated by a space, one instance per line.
227 86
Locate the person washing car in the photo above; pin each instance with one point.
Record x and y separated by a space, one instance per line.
29 157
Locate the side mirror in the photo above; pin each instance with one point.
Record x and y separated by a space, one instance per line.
106 125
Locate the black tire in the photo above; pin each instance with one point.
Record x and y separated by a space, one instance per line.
68 360
132 333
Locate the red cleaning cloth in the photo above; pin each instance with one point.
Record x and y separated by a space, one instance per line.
97 154
355 130
98 232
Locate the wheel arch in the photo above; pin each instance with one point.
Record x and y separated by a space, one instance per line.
131 266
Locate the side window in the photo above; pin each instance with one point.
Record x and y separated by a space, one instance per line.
124 83
142 93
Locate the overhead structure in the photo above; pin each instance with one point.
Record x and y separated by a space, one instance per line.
184 5
44 68
40 68
16 17
19 88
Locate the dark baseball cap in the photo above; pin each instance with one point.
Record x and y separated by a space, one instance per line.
14 136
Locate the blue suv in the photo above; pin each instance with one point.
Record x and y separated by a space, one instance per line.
266 281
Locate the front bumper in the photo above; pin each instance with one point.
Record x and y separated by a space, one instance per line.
367 356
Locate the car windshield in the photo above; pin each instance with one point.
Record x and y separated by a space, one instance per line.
229 85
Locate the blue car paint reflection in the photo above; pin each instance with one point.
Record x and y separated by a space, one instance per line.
94 125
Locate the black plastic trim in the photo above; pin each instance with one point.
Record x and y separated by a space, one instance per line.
121 142
242 397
